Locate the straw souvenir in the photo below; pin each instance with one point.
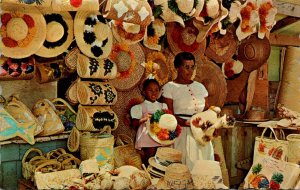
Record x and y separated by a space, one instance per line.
23 31
73 140
128 60
96 93
59 33
294 148
154 35
54 154
99 146
71 59
71 5
93 35
26 168
96 118
96 68
65 112
36 3
125 152
17 69
131 11
68 161
211 76
71 93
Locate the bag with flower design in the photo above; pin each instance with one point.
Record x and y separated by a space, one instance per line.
17 69
270 173
273 147
96 93
46 113
65 112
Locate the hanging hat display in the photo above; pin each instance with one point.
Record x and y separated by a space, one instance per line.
75 5
154 34
184 39
128 60
37 3
92 34
130 11
221 48
267 12
23 31
128 33
59 34
254 52
231 68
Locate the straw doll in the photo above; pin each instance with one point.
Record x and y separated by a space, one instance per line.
141 113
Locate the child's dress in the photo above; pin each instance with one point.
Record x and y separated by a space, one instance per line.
140 111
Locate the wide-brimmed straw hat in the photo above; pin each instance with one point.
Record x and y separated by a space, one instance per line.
37 3
92 34
164 157
23 30
254 52
184 39
71 5
221 48
211 76
232 68
177 176
128 33
59 33
128 60
155 32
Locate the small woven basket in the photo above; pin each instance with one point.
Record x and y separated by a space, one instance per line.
294 148
97 146
71 59
26 166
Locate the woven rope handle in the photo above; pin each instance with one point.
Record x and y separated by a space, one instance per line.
65 103
31 150
263 133
69 161
55 153
123 139
56 165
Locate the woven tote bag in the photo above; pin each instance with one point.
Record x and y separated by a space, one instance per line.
294 148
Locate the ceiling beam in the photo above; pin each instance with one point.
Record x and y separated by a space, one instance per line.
288 7
284 40
284 22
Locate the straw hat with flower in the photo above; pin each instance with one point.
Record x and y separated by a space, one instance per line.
38 3
128 33
23 31
231 68
154 35
75 5
128 60
163 127
184 39
59 33
93 35
211 76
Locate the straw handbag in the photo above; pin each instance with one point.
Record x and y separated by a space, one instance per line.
73 140
26 167
99 146
294 148
71 59
125 153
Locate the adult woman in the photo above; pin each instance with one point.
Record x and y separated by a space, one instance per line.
186 97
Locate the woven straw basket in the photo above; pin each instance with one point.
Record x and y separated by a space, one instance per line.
71 59
125 153
294 148
26 167
99 146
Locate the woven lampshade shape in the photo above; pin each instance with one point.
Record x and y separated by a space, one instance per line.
289 95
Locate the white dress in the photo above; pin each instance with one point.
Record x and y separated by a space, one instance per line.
188 99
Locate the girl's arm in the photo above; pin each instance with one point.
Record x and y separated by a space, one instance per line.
137 122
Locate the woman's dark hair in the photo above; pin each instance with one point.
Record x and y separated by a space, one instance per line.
148 81
180 57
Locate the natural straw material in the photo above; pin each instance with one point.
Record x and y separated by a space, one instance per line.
26 168
36 3
290 84
294 148
70 5
71 59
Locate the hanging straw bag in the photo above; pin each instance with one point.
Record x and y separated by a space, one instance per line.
125 152
294 148
273 147
97 146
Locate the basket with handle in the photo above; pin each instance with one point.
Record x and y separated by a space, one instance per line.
294 148
68 161
125 152
54 154
26 167
97 146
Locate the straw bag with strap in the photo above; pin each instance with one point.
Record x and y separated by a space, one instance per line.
125 152
26 165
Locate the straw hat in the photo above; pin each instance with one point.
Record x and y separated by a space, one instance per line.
93 35
177 176
254 52
23 31
221 48
155 31
75 5
128 33
184 39
59 34
231 68
128 60
211 76
267 21
164 157
37 3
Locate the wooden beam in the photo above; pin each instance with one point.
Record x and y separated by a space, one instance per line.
284 22
296 2
284 40
286 8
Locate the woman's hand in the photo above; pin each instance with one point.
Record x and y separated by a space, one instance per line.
187 122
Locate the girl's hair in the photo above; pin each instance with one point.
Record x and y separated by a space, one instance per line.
180 57
148 81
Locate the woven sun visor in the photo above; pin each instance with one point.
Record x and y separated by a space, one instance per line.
211 76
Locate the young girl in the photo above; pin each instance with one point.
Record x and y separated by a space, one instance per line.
141 113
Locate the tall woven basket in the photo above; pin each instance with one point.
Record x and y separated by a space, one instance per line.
97 146
294 148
